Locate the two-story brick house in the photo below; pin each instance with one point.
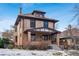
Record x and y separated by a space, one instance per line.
34 28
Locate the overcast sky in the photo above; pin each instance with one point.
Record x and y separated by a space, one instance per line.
62 12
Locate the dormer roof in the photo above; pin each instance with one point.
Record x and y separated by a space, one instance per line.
38 11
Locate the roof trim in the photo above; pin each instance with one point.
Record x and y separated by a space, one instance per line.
33 29
38 11
38 18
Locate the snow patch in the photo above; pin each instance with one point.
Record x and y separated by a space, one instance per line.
20 52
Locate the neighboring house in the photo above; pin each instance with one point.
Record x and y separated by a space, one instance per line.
70 38
34 28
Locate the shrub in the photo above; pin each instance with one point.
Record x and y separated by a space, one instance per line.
57 54
10 46
38 46
43 45
32 47
1 43
5 40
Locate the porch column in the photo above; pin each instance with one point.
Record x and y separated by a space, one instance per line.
29 36
48 37
58 39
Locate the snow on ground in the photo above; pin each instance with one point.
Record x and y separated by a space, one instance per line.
72 52
21 52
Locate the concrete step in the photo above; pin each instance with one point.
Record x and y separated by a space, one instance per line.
55 47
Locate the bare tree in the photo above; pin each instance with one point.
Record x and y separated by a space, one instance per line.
76 15
8 33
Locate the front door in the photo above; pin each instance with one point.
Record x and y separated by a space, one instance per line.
65 44
53 39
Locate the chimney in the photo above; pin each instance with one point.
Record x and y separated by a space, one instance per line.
20 11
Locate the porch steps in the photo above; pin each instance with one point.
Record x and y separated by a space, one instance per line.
55 47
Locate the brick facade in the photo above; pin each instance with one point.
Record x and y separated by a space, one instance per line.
24 31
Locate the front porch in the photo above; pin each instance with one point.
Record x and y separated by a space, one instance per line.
41 36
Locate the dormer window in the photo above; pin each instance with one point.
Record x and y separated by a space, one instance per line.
38 15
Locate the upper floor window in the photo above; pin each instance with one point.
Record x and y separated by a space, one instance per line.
32 23
45 24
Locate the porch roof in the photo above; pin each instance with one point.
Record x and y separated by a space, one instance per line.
43 30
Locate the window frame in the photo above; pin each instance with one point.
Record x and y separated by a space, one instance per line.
45 24
32 23
16 39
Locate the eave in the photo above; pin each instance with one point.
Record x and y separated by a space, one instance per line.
32 17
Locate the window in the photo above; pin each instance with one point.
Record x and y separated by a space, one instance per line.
53 38
45 24
20 24
38 14
16 39
33 37
45 37
32 23
77 41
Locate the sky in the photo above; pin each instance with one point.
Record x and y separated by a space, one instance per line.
60 11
